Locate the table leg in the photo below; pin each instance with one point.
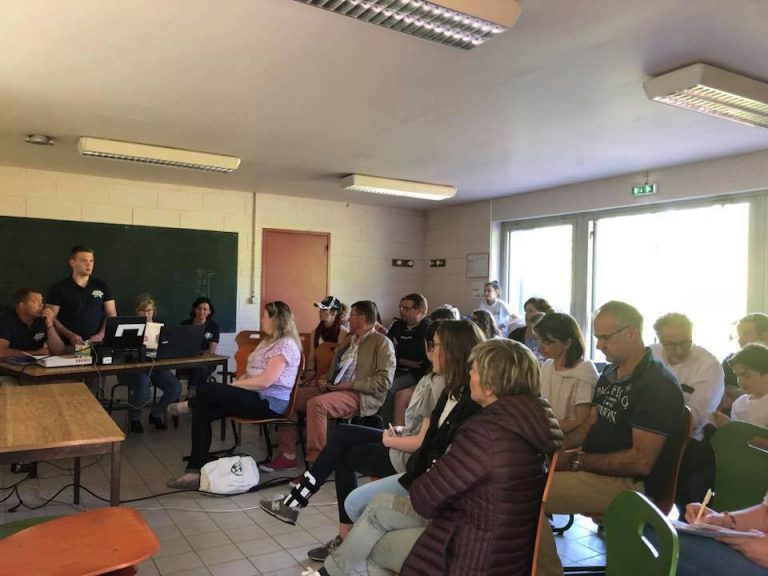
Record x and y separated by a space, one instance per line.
76 498
114 492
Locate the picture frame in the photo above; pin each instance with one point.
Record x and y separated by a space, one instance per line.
477 265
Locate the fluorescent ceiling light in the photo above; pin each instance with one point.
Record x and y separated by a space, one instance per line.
376 185
713 91
461 23
132 152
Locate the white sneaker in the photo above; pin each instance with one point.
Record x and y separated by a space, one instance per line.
310 572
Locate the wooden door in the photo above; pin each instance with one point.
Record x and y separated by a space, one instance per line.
294 269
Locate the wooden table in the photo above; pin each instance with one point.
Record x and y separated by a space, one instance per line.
54 421
34 374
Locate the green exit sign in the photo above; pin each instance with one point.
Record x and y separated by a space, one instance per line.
644 190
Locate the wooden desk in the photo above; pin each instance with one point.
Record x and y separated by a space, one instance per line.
54 421
34 374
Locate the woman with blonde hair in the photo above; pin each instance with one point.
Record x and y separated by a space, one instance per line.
263 391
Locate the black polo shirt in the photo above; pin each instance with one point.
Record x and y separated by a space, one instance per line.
211 332
81 308
409 345
21 336
649 399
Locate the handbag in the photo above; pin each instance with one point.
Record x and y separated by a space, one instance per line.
230 475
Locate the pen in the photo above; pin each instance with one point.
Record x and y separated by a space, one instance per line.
392 430
707 498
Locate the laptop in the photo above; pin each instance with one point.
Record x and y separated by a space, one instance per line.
178 342
124 332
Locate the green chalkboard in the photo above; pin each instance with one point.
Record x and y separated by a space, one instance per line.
175 266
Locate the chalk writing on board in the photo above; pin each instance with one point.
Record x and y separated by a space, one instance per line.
204 284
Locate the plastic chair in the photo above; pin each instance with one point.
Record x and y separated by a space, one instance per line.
104 541
740 469
629 553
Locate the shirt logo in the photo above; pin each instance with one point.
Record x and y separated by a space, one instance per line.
38 337
208 335
97 294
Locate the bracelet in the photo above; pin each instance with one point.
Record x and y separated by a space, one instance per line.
731 519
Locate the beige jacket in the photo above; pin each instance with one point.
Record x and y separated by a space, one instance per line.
374 373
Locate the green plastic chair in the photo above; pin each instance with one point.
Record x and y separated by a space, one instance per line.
628 552
740 469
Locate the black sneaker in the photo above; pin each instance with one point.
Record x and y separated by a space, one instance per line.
321 553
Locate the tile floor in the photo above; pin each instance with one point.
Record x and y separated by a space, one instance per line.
202 536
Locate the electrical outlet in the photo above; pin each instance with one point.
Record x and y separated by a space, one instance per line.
437 263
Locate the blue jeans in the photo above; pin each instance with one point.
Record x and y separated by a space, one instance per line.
706 556
359 498
138 391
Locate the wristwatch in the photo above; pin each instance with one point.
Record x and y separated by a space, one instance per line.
576 464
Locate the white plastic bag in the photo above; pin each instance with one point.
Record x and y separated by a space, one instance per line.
230 475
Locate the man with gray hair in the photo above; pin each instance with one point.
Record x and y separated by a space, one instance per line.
701 378
698 372
629 440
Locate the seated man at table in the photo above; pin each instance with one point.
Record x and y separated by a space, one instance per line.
360 376
629 438
28 327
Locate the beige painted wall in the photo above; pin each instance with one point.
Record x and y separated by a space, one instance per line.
363 238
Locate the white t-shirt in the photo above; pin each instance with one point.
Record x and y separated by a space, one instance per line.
702 379
747 408
501 313
566 389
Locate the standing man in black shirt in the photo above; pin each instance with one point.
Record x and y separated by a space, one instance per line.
407 334
80 302
29 327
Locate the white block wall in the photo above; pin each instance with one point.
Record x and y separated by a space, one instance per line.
364 239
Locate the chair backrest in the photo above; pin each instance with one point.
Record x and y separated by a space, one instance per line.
543 521
115 538
246 341
294 391
306 342
666 498
628 552
324 357
740 469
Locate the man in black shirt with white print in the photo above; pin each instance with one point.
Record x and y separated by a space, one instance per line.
80 302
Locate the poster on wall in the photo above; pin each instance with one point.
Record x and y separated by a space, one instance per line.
477 265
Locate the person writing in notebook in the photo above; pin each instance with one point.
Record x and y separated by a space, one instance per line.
80 302
730 555
29 327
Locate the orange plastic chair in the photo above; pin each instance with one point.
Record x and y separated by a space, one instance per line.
105 541
542 510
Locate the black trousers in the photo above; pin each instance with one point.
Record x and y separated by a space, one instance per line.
351 450
214 401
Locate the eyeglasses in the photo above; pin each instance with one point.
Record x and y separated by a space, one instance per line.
683 345
407 307
605 337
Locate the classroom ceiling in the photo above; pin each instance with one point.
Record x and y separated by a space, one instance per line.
304 96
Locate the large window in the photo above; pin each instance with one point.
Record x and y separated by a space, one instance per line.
692 259
540 265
